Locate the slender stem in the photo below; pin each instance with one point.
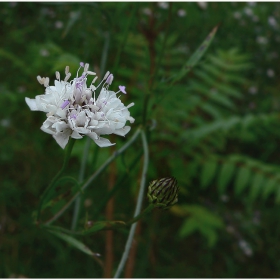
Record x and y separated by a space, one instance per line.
64 165
138 206
145 212
95 174
80 180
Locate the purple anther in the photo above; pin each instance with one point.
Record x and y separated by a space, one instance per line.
73 116
64 104
82 64
122 89
110 79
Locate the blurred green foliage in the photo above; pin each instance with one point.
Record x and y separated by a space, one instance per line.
216 130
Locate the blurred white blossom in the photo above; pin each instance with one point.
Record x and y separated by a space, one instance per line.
5 122
272 21
181 13
147 11
262 40
74 110
44 52
270 73
202 5
237 15
163 5
253 90
58 24
245 247
248 12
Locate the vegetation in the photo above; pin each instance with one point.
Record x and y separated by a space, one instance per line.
203 77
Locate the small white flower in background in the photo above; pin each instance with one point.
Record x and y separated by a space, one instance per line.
202 5
181 13
44 52
58 24
248 12
74 110
270 73
237 15
163 5
262 40
272 21
245 247
147 11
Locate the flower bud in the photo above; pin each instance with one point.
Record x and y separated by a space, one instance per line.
163 192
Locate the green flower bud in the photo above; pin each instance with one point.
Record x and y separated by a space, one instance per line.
163 192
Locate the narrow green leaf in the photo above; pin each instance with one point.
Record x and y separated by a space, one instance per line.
104 225
225 175
208 172
277 199
73 241
242 179
74 16
189 226
203 215
257 184
269 188
54 196
194 59
209 233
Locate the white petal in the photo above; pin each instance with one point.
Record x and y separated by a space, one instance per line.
61 113
62 138
47 130
82 130
93 122
81 119
31 103
103 142
60 126
104 130
122 131
93 135
76 135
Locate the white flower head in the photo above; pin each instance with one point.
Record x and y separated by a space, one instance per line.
74 110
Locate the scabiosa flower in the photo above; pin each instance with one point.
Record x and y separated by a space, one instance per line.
74 110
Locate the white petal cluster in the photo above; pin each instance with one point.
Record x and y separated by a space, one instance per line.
74 111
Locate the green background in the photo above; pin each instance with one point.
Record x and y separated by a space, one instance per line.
216 130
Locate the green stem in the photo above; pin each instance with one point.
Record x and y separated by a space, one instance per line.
138 206
95 174
145 212
65 163
80 180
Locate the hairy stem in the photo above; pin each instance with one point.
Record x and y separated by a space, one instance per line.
64 165
138 206
80 180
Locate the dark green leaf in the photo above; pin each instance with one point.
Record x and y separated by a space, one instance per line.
225 175
194 59
242 179
73 241
208 173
